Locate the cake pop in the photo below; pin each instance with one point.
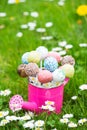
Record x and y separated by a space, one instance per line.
50 63
68 70
31 69
21 70
55 55
25 58
68 59
44 76
16 102
58 75
34 57
43 51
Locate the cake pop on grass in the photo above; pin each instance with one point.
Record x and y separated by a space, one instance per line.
21 70
50 63
31 69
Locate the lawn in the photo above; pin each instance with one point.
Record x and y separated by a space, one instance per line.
67 26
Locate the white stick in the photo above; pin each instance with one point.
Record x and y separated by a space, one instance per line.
41 64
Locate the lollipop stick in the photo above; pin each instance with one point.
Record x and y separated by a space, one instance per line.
41 64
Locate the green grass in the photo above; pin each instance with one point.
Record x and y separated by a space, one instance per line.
65 27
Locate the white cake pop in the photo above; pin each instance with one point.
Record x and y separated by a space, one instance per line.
43 51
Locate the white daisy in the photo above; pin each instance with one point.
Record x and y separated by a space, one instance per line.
49 24
41 30
64 120
12 118
24 26
19 34
26 117
74 97
51 108
15 1
47 38
31 114
68 116
2 14
60 3
1 93
62 43
72 125
34 14
81 121
32 24
29 124
4 122
45 107
83 44
39 123
6 92
69 46
49 102
3 113
83 87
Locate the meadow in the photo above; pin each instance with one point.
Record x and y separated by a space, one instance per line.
17 37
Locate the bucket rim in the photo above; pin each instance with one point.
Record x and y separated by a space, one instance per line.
62 84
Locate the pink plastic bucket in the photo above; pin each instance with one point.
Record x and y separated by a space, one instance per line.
37 97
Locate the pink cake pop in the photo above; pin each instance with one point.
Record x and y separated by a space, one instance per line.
16 102
55 55
45 76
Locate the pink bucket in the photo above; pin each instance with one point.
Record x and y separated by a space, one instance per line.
37 97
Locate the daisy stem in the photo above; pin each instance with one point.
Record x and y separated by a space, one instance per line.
45 121
81 106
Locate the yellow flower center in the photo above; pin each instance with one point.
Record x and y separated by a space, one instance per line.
17 1
39 123
65 121
49 103
83 120
1 114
